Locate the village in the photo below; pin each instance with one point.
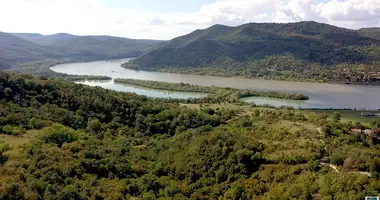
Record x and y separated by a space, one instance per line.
374 132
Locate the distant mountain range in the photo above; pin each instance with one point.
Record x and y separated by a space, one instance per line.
259 49
16 48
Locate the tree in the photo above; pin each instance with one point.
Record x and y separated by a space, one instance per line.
94 125
8 91
376 124
336 116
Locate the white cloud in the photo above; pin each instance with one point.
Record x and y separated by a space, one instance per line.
86 17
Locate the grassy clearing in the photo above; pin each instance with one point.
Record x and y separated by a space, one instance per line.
349 115
16 143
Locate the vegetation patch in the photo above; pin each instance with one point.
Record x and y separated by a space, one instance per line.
217 94
81 142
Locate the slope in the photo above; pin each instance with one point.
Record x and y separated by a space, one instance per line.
46 40
15 50
61 140
91 47
20 48
261 46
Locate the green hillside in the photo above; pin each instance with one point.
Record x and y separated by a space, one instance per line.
303 50
91 46
60 140
19 48
370 32
45 40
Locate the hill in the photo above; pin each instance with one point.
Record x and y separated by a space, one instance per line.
91 46
303 50
61 140
370 32
19 48
45 40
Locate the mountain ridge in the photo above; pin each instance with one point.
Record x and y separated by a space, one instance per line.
19 48
251 49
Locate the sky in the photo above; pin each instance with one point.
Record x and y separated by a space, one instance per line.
166 19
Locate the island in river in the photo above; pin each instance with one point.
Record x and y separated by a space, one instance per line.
322 95
216 94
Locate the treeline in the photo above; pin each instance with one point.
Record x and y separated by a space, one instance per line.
217 94
61 140
282 68
86 77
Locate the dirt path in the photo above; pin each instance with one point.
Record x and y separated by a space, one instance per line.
335 168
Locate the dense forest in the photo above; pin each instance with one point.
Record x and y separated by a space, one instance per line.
60 140
20 48
217 94
303 51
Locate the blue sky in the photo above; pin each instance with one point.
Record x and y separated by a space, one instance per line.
166 19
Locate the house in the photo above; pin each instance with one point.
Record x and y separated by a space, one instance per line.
369 132
356 131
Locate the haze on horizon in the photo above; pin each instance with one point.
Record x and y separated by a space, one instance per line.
166 19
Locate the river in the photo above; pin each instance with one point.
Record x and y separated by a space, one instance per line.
321 95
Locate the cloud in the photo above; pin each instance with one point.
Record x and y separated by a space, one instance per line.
86 17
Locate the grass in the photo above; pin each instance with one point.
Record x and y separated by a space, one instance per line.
16 143
349 115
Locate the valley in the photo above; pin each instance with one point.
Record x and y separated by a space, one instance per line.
256 111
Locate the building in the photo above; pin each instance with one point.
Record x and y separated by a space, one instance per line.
367 114
357 131
369 132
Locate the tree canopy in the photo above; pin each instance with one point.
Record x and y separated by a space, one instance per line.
60 140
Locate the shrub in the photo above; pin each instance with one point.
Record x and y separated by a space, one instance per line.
59 135
13 130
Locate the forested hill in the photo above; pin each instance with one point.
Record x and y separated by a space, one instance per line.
19 48
61 140
258 49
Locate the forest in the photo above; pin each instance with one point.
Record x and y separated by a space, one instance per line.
22 48
302 51
60 140
217 94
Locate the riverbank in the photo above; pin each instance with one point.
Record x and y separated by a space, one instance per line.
217 94
42 69
321 95
208 71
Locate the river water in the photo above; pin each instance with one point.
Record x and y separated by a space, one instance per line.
321 95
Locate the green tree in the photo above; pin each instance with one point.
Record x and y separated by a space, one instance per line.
336 116
94 125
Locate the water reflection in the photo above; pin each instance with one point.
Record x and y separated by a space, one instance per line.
321 95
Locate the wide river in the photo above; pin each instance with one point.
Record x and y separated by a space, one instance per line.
321 95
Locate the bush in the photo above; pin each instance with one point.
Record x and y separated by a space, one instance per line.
59 135
3 148
13 130
337 159
35 123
